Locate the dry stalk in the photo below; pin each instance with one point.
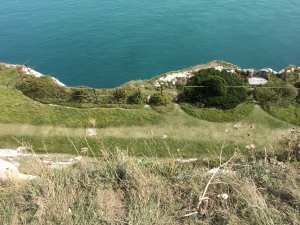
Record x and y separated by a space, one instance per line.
202 197
70 139
89 146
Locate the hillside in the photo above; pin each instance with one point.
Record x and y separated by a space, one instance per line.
146 163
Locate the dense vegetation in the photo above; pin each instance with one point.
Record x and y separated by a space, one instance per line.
214 90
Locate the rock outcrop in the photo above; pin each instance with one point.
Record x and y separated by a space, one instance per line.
9 171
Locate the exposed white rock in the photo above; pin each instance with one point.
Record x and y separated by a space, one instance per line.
224 196
269 69
187 160
257 80
217 170
288 71
32 72
9 171
220 68
13 153
281 71
91 132
172 77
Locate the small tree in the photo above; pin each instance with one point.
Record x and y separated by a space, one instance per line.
214 91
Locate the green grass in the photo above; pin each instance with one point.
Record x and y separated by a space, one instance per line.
164 109
142 147
218 115
196 130
16 108
290 113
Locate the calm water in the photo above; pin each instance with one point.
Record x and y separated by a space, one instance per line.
106 43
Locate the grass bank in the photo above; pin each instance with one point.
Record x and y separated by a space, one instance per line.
118 189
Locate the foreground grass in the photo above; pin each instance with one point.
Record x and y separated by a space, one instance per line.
118 189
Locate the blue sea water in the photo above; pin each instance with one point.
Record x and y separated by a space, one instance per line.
106 43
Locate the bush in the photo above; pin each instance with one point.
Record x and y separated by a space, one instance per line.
42 89
280 96
137 97
121 94
82 94
160 99
215 93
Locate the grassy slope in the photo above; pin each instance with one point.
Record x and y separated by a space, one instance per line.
38 123
118 189
192 136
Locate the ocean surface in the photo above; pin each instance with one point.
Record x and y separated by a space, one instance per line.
106 43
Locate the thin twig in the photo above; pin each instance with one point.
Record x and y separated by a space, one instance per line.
70 139
89 145
201 198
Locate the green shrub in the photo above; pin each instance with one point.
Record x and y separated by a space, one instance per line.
214 92
279 96
121 94
82 94
160 98
42 89
137 97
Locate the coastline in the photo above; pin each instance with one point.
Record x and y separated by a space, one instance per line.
34 73
255 76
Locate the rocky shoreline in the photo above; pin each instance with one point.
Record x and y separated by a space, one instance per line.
255 77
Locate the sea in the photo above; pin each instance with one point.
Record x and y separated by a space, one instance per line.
104 43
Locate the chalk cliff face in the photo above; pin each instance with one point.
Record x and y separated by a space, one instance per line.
34 73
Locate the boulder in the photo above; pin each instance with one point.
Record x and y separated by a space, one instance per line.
9 171
251 73
263 73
